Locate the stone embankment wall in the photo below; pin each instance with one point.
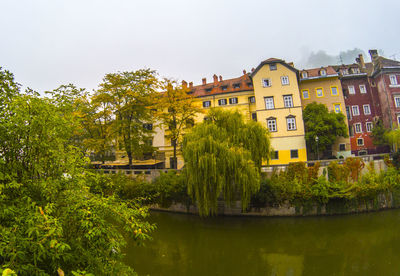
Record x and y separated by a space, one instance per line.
333 207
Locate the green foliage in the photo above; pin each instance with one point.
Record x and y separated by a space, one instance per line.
49 219
396 159
222 159
325 125
379 133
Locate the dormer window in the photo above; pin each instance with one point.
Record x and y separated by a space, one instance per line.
236 85
208 90
272 67
250 84
304 75
355 70
345 71
223 88
322 72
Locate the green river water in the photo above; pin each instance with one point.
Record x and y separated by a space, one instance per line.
363 244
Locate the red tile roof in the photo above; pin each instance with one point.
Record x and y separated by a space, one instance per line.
223 86
315 72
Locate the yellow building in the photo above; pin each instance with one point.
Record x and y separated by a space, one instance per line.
322 85
278 108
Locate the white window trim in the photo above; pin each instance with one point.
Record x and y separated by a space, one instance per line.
274 124
358 110
222 102
393 77
368 124
273 103
289 122
364 88
352 88
263 84
395 102
290 103
360 145
308 93
285 78
355 128
369 109
206 105
398 119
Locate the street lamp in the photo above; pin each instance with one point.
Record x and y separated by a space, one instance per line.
316 140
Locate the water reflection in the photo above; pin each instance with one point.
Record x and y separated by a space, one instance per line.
366 244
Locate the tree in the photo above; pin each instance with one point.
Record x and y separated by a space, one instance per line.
130 95
177 110
379 134
222 159
49 220
325 125
8 87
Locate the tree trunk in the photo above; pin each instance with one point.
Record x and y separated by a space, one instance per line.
130 158
175 160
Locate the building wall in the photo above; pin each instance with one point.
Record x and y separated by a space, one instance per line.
329 100
283 140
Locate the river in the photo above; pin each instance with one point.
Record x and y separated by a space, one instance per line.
363 244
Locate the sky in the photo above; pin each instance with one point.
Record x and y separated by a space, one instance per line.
47 43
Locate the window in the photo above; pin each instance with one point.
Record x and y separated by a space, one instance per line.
233 100
358 127
345 71
271 124
355 70
398 120
348 112
355 110
342 147
291 123
334 91
397 101
250 84
351 131
148 126
363 89
360 142
275 155
236 85
294 154
393 79
305 94
367 109
206 104
285 80
224 88
222 102
288 101
269 102
322 72
266 82
208 90
254 116
252 99
319 92
304 75
368 126
337 107
351 89
272 67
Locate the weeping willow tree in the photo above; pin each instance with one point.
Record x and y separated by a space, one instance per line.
223 157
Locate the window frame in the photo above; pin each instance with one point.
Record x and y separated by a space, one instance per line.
363 89
341 145
290 102
287 82
275 155
263 82
275 125
340 107
355 128
273 67
357 108
233 100
337 91
360 139
369 126
222 100
322 72
369 109
292 151
273 103
308 93
205 104
322 92
252 99
254 116
352 88
393 77
289 123
396 103
304 74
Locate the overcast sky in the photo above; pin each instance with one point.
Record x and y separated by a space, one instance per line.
46 43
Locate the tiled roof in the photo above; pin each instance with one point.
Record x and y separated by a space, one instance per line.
315 72
273 60
242 83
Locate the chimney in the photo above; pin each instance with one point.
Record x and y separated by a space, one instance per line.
204 80
220 78
244 72
184 84
291 64
252 69
360 61
191 85
215 79
373 54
